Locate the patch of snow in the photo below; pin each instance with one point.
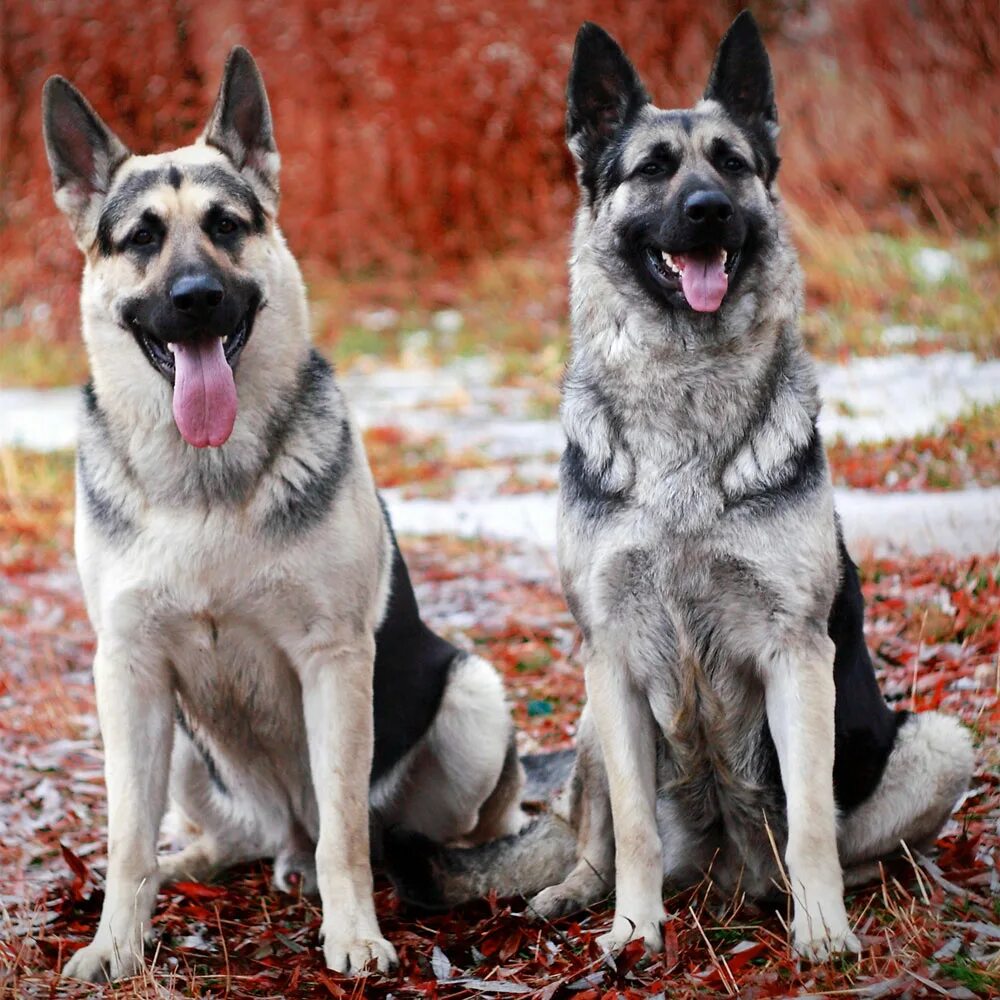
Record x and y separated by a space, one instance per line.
935 265
378 320
871 399
38 419
901 335
527 517
963 522
448 321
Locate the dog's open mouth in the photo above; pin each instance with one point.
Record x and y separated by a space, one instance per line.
201 370
701 276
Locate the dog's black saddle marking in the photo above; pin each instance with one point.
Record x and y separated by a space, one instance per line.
865 727
412 665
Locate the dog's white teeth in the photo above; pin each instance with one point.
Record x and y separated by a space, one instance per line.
725 257
171 348
669 261
225 339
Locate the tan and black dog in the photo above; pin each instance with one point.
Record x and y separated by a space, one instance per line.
259 648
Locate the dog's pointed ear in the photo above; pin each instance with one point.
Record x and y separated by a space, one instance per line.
83 155
741 78
240 125
604 91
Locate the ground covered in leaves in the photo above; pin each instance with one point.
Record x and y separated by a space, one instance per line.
930 928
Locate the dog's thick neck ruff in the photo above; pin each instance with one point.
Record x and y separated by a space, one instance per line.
685 293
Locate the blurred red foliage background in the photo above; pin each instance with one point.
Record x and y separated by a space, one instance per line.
431 131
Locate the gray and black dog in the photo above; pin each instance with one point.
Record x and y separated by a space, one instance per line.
733 714
259 649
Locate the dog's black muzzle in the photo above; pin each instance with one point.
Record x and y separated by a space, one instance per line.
194 305
701 219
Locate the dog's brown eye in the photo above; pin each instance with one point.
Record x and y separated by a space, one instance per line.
225 227
734 164
651 169
142 237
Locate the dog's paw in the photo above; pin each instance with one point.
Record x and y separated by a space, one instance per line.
556 901
295 872
624 930
815 940
358 956
98 963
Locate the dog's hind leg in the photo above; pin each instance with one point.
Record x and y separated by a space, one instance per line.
240 818
927 770
897 777
463 782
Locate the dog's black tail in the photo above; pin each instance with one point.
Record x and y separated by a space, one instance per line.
432 876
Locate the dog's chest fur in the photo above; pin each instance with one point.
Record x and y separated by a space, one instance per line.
231 560
685 474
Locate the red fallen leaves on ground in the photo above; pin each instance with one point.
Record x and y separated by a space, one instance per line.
930 928
81 873
966 454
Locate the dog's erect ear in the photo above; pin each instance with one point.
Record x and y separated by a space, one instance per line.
240 125
83 155
741 74
604 91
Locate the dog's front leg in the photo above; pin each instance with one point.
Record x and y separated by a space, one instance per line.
626 731
337 699
135 709
800 695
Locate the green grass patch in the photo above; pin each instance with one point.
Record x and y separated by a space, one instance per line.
971 974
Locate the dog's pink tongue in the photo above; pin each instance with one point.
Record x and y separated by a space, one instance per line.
204 392
704 281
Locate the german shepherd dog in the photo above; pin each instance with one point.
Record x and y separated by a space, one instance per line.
732 709
259 648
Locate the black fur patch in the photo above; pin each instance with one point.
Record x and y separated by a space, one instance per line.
210 766
803 472
302 506
579 485
581 488
312 378
121 201
233 186
865 727
107 514
413 863
305 503
412 666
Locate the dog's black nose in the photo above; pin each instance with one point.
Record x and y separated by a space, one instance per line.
708 206
196 295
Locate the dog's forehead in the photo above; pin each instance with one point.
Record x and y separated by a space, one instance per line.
181 182
682 131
